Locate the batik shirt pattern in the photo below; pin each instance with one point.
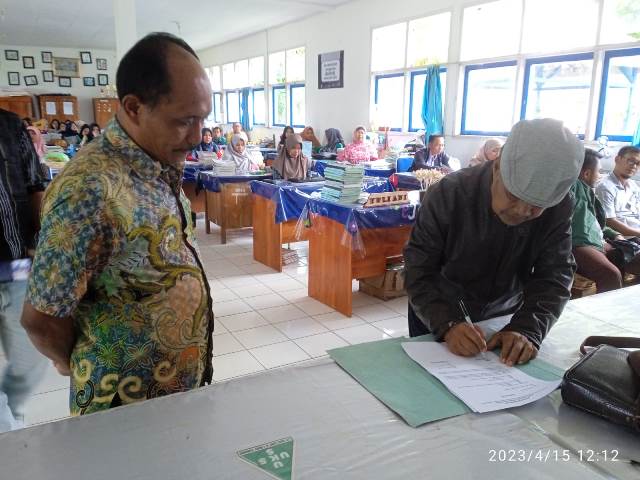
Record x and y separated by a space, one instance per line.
118 254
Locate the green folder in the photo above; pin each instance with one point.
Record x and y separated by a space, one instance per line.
386 371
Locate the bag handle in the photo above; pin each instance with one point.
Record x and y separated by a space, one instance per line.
619 342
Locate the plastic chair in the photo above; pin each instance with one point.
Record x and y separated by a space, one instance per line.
403 164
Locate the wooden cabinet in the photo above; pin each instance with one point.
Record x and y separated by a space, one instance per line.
104 109
62 107
20 105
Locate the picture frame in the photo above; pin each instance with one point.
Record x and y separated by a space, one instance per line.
47 76
103 79
89 81
30 80
85 58
46 56
28 63
64 82
13 78
66 67
101 63
331 70
11 55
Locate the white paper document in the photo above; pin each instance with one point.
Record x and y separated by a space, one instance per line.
483 384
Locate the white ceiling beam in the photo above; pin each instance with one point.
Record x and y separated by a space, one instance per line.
316 6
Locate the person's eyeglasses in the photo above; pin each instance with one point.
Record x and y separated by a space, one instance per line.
633 163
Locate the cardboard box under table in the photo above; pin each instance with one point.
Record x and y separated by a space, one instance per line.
349 242
277 206
227 201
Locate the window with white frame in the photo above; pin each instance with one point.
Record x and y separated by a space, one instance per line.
558 87
256 71
258 106
397 53
233 106
619 105
236 76
488 97
286 79
217 107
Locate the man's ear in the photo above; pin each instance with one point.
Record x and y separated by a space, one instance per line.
132 106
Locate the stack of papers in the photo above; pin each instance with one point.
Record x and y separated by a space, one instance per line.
224 168
289 256
482 382
343 182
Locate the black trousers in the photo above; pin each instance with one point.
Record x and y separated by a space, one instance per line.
416 327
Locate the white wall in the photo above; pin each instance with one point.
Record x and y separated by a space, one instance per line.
84 94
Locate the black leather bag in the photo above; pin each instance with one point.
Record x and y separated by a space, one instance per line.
606 380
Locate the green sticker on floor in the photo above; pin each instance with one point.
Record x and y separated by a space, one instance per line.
273 458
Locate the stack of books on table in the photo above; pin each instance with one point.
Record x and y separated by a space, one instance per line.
224 169
343 182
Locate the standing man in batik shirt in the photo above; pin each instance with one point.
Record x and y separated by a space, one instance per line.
118 298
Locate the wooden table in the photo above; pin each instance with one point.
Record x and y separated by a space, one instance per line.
227 201
189 185
338 255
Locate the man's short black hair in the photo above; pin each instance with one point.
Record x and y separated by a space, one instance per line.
629 149
591 158
143 70
434 136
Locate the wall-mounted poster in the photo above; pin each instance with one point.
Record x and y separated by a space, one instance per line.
101 63
85 57
30 80
89 81
11 55
14 78
47 57
66 67
103 79
64 82
27 62
47 76
331 70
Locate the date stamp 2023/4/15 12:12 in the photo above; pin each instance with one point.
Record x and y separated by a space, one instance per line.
552 455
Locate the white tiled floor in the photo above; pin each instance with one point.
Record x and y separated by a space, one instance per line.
264 319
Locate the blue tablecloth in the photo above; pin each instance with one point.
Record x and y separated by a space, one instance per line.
191 172
211 182
355 217
291 198
369 172
407 181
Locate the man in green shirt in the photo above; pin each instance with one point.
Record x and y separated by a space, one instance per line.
596 259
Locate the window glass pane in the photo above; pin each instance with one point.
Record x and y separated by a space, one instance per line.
214 78
560 90
297 106
279 106
217 107
276 68
622 101
233 107
428 40
256 71
389 102
242 73
388 47
258 107
295 64
489 99
418 97
559 34
620 21
491 29
228 76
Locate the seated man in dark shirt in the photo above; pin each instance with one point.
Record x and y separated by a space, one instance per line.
498 238
431 156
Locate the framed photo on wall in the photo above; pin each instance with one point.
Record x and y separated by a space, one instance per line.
85 57
47 57
89 81
11 55
66 67
47 76
101 63
30 80
103 79
331 70
14 78
64 82
27 62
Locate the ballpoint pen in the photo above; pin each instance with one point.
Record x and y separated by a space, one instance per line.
467 318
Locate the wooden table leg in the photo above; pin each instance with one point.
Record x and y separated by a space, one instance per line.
267 235
207 227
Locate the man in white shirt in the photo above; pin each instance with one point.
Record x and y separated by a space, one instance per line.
620 195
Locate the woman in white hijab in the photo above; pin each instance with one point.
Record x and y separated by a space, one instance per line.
487 153
237 153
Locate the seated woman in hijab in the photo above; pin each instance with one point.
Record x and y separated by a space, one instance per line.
308 135
360 150
54 126
334 140
288 131
291 164
487 153
237 153
71 133
96 130
206 145
85 134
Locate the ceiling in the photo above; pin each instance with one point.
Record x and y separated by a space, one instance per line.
203 23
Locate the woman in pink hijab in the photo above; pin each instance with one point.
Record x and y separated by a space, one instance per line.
359 151
38 142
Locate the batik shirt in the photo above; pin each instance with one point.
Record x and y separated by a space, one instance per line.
118 255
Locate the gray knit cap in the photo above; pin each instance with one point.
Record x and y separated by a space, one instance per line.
540 161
